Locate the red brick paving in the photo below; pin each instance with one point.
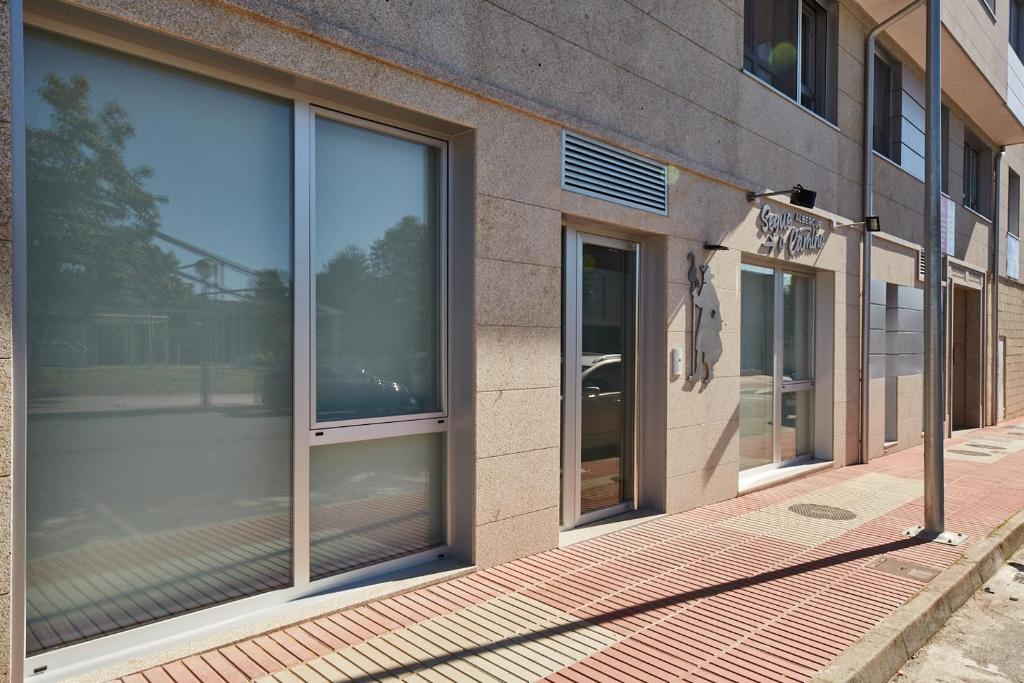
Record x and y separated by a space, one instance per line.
691 598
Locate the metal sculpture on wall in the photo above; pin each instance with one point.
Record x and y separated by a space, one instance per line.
706 323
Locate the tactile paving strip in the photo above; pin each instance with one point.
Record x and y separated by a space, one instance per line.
986 449
509 638
781 522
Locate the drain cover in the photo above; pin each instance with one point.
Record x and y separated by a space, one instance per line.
822 511
959 451
912 570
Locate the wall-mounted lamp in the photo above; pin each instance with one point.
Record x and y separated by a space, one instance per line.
715 247
870 223
798 196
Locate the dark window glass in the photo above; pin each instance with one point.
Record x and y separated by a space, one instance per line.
972 176
1013 208
813 56
770 45
786 46
1017 27
944 152
883 137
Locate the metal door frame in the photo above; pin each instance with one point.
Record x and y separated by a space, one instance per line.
572 333
781 387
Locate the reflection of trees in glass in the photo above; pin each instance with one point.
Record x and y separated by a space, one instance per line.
373 307
102 290
90 217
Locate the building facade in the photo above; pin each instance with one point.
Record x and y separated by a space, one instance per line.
301 295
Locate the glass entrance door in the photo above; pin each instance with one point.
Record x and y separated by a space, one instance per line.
777 367
599 383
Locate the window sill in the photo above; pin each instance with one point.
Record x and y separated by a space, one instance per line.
979 215
793 101
756 481
896 165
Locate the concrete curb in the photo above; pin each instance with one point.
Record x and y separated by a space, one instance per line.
877 657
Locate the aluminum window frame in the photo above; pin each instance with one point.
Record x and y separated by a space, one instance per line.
779 385
332 114
119 646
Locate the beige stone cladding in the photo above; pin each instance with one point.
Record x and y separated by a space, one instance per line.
662 79
1011 326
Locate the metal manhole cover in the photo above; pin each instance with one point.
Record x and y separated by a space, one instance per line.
912 570
822 511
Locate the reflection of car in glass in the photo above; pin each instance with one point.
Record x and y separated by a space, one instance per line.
342 393
601 422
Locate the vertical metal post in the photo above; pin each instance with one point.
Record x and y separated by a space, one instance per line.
934 512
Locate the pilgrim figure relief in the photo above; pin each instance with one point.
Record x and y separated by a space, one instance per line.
706 322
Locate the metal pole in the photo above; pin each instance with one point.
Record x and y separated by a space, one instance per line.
934 503
869 209
994 393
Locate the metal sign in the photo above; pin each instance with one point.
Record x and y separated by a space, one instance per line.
790 233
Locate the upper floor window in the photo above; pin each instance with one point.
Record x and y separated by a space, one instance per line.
1017 27
790 45
944 152
977 180
886 137
972 176
1013 205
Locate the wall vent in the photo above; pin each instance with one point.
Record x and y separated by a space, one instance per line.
598 170
920 265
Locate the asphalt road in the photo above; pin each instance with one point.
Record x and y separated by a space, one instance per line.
983 641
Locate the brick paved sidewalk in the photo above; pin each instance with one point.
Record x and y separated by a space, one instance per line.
768 586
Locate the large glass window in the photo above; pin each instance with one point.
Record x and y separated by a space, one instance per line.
159 370
787 44
377 246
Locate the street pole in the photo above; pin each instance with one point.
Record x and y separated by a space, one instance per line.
934 353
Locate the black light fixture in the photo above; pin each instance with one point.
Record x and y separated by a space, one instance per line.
798 196
715 247
870 223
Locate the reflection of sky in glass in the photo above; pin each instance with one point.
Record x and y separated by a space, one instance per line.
207 172
367 182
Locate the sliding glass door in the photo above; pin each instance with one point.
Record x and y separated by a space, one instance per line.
777 367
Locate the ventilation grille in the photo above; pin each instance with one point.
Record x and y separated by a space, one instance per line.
920 265
598 170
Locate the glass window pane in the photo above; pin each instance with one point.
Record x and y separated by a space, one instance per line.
797 429
374 500
797 328
757 359
377 233
770 52
882 142
159 342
